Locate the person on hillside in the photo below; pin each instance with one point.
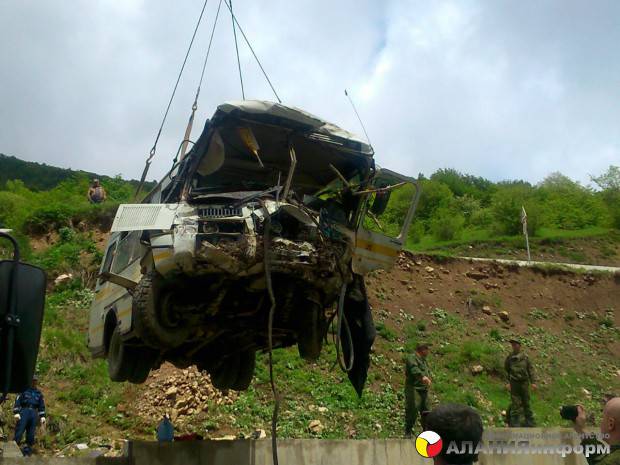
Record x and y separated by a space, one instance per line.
29 410
417 383
460 429
610 429
96 192
520 377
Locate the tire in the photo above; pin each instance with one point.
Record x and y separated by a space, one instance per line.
143 358
225 374
311 331
120 362
247 364
147 309
235 372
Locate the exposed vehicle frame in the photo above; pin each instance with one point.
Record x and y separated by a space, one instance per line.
271 204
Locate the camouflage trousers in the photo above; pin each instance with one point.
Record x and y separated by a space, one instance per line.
416 402
520 405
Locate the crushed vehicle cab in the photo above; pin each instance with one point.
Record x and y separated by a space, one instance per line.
271 209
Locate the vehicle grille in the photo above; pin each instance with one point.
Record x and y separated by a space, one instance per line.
218 212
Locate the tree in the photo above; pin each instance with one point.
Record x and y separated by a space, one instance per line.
609 183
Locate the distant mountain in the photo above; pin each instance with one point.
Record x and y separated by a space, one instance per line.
42 177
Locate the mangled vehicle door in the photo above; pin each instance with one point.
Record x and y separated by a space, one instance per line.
385 221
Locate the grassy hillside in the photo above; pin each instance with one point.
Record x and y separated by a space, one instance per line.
569 321
39 176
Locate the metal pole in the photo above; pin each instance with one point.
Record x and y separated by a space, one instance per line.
525 233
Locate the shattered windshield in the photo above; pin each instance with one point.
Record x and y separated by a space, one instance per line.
258 158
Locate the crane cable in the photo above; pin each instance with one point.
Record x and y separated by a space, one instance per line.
161 127
232 18
229 5
190 123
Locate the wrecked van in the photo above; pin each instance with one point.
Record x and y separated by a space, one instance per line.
273 210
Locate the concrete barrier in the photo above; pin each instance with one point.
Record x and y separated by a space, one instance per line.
320 452
345 452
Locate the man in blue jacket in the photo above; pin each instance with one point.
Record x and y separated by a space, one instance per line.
29 410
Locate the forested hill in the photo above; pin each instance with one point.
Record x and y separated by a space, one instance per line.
39 176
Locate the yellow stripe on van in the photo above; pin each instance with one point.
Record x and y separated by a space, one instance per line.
376 248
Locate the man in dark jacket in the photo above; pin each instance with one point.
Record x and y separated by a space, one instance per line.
520 377
417 383
29 410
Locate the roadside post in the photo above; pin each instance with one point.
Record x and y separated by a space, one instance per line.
527 238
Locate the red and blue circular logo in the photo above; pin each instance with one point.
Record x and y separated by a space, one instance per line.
428 444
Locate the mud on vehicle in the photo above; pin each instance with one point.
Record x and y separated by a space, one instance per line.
272 207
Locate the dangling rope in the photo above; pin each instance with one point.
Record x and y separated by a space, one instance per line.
252 50
190 123
161 127
272 308
232 17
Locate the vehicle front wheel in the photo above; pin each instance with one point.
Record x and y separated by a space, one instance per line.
151 304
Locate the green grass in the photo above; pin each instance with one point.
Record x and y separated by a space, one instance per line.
485 236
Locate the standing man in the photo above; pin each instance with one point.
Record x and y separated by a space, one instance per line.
29 409
96 192
417 383
520 377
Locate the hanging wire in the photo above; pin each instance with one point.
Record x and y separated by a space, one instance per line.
161 127
232 18
252 50
204 65
190 123
272 309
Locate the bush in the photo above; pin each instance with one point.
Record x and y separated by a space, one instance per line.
568 205
434 195
48 218
482 218
506 210
447 224
416 232
11 209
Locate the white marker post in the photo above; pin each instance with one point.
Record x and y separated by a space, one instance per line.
527 238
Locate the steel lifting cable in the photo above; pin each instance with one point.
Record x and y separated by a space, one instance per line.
232 18
272 308
190 123
161 127
247 41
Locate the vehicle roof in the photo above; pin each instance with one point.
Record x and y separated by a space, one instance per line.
265 111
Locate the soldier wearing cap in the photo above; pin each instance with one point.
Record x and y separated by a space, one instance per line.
29 409
417 383
520 376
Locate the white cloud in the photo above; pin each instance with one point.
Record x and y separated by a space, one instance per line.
498 89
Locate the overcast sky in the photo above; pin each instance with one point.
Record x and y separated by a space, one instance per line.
500 89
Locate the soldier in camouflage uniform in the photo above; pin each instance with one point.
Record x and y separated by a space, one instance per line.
417 382
520 377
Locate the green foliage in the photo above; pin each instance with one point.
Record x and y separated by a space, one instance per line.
446 224
42 177
567 204
434 195
506 208
385 332
609 183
